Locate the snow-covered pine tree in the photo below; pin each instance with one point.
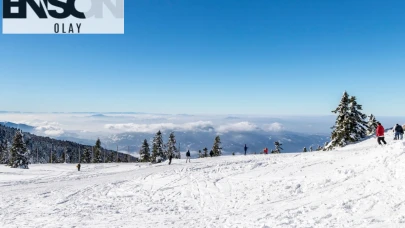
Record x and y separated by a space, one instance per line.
97 152
278 147
304 150
199 154
86 156
158 147
4 154
171 147
110 157
205 152
216 148
371 125
358 124
19 154
340 135
310 149
144 154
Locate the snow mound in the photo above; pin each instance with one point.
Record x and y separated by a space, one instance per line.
361 185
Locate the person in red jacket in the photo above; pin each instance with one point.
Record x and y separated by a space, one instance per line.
380 134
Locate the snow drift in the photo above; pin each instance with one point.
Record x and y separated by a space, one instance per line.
361 185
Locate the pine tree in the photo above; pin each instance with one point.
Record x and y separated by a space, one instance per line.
171 147
310 149
340 135
371 125
144 154
304 150
53 158
350 125
217 146
358 125
97 152
19 152
278 147
158 147
4 153
110 157
86 155
205 152
199 154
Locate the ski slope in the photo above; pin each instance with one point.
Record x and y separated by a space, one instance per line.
361 185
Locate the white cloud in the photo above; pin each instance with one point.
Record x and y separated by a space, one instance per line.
47 128
273 127
238 127
193 126
152 128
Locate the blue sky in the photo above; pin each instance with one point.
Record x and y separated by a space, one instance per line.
219 57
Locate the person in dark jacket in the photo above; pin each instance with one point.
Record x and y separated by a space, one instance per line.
78 167
188 156
380 134
170 159
399 132
245 149
211 153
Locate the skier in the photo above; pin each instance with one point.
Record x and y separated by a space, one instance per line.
188 156
266 150
380 134
305 149
245 149
211 153
170 159
78 167
399 131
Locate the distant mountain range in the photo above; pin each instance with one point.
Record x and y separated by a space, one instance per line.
231 142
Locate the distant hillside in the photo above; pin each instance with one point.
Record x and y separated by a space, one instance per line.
22 127
44 146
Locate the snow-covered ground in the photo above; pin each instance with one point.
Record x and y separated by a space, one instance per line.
361 185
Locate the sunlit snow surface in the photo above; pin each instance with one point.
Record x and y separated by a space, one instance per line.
361 185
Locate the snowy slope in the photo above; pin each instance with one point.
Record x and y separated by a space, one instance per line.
361 185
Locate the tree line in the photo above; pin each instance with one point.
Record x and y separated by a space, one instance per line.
47 150
161 151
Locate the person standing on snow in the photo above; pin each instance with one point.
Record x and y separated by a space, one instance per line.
78 167
188 156
211 153
245 149
266 150
380 134
170 159
399 131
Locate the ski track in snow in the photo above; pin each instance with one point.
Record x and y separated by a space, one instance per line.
361 185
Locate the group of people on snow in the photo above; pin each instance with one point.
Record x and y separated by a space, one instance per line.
397 129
